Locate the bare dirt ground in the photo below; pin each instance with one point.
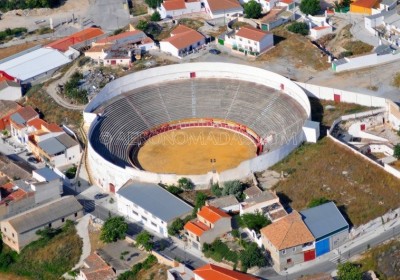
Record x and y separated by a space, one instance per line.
5 52
193 150
27 18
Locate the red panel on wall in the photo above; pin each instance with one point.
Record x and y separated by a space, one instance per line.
192 74
362 127
282 86
309 255
112 188
336 97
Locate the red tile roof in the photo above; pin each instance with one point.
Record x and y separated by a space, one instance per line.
220 5
213 272
287 1
182 37
97 269
365 3
252 33
171 5
78 37
320 27
41 124
212 214
196 227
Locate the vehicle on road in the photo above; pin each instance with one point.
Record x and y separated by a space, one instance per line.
100 195
214 51
32 160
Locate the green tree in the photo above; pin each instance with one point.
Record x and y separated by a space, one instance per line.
199 201
145 240
216 190
310 7
174 190
299 28
317 202
142 25
153 3
252 256
176 227
185 183
155 16
233 187
114 229
254 221
349 271
396 152
252 9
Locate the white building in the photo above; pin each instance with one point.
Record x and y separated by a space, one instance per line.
175 8
151 205
389 19
45 174
222 8
10 90
183 41
34 65
320 31
250 40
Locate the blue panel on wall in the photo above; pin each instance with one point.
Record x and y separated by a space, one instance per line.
322 247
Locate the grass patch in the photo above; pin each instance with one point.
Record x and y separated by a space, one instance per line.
239 24
382 260
52 112
138 8
363 192
357 47
49 258
288 44
191 23
396 80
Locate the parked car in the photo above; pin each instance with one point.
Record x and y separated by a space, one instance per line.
214 51
100 195
32 160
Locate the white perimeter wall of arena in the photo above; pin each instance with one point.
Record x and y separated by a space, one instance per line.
105 173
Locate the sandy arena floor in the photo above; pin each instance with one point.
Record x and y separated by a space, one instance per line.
188 151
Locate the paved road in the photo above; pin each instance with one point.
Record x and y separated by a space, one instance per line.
52 90
163 245
108 14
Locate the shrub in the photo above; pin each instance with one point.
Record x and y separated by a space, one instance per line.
236 233
199 201
174 189
216 190
252 9
317 201
396 152
254 221
252 256
310 7
114 229
155 16
153 3
233 187
299 28
71 172
142 25
176 227
149 262
219 251
185 183
145 240
349 271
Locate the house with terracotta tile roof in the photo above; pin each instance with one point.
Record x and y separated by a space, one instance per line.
249 40
182 42
119 49
175 8
95 268
222 8
7 108
289 241
19 121
210 224
213 272
365 7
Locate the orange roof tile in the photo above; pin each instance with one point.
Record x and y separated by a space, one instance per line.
172 5
320 27
251 33
287 1
41 124
220 5
96 268
365 3
98 48
212 214
196 227
78 37
288 232
182 37
213 272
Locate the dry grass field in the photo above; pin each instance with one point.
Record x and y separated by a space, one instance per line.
5 52
362 190
188 151
296 48
156 272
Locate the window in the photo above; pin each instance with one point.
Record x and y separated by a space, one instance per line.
13 235
76 215
5 229
153 224
283 252
144 218
289 261
63 220
294 249
49 224
198 43
136 213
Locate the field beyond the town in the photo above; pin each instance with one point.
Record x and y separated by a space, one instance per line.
362 190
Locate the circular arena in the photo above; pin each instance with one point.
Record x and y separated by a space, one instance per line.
205 121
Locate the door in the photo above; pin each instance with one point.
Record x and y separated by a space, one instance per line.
336 97
362 127
309 255
113 62
322 247
112 188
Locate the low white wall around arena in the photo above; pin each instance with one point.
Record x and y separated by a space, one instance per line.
327 93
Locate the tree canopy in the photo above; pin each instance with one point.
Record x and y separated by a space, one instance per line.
310 7
299 28
216 190
145 240
252 9
233 187
396 152
254 221
317 202
155 16
153 3
185 183
114 229
349 271
176 227
7 5
252 256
